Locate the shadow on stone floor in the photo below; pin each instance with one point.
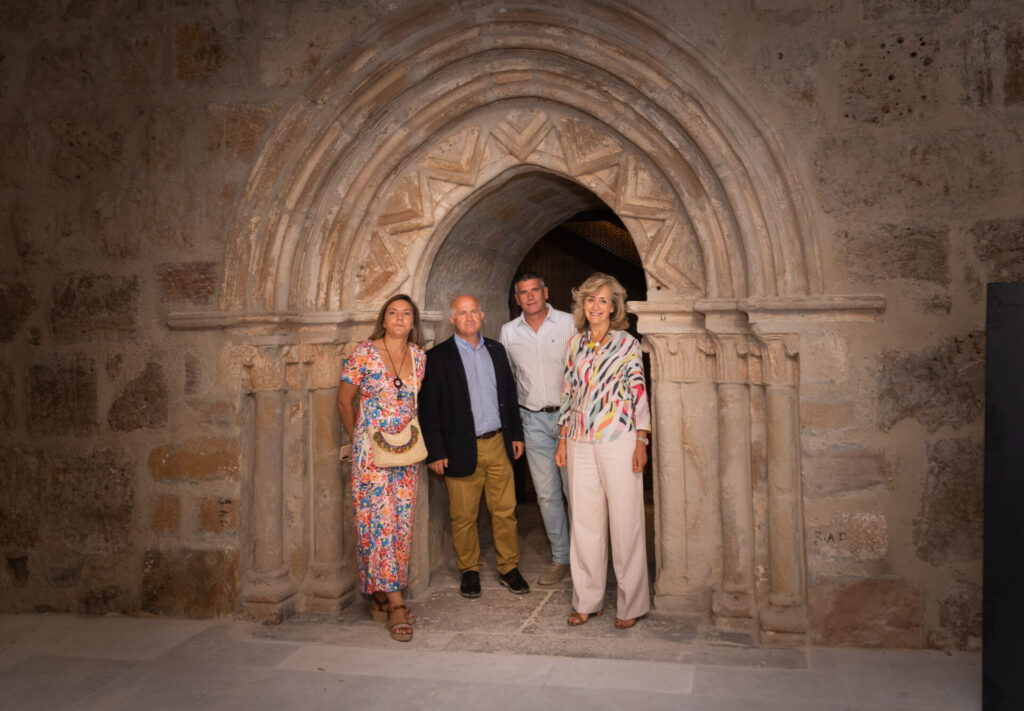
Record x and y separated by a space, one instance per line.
535 623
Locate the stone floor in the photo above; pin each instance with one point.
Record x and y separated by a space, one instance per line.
499 651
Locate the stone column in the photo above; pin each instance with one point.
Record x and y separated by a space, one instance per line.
733 605
268 590
787 609
681 377
669 487
330 579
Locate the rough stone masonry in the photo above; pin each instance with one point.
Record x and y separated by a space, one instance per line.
201 203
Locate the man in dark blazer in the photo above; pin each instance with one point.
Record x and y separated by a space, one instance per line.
471 426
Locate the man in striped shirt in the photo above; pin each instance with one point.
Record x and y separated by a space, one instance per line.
536 343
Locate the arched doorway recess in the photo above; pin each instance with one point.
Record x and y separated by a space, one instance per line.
355 195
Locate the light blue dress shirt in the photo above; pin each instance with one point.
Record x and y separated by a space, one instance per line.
483 385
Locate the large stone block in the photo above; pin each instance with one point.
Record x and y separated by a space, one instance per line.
906 9
62 66
8 394
199 51
897 252
88 305
62 396
14 144
999 246
796 71
102 600
17 299
22 487
917 173
79 505
843 469
189 583
166 514
214 413
1013 81
889 77
143 402
857 536
196 459
237 130
941 385
219 515
818 414
192 282
992 70
298 49
876 612
960 615
17 569
89 145
949 524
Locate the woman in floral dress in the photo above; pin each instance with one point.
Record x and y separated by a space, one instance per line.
386 372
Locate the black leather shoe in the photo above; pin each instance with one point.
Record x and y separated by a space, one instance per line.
470 585
514 582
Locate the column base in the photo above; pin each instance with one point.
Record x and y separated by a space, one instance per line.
738 605
784 620
269 598
328 589
694 603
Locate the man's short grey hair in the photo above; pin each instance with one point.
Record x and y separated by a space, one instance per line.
526 276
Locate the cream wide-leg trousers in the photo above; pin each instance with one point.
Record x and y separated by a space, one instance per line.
607 500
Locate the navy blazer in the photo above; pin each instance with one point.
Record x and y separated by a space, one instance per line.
446 415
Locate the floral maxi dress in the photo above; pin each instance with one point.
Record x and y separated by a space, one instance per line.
384 497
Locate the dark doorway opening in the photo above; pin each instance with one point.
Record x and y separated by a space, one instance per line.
590 241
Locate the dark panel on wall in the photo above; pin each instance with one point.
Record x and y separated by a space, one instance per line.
1003 637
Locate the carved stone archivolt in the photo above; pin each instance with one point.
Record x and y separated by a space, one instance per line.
345 199
359 193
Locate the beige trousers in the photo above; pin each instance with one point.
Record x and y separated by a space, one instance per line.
493 477
607 500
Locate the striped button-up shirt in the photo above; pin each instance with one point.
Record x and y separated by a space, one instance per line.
538 357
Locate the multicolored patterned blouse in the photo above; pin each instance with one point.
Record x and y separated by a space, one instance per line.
604 394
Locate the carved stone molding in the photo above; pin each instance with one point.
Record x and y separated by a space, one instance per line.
731 355
323 363
264 367
780 358
681 358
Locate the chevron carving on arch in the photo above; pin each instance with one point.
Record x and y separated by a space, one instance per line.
460 162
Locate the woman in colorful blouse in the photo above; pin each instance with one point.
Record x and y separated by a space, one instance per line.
386 371
605 420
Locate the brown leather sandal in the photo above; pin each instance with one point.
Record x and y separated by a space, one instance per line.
400 631
621 624
578 618
379 610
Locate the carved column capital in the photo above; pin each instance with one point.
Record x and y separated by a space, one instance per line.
780 357
731 353
323 363
681 357
264 367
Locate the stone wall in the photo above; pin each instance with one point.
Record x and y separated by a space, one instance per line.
128 130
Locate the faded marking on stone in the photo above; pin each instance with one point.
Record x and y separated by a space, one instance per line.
860 536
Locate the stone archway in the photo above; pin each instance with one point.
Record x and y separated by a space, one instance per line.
355 195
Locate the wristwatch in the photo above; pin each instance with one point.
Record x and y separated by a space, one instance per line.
641 436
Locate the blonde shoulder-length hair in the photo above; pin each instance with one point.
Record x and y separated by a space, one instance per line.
594 283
